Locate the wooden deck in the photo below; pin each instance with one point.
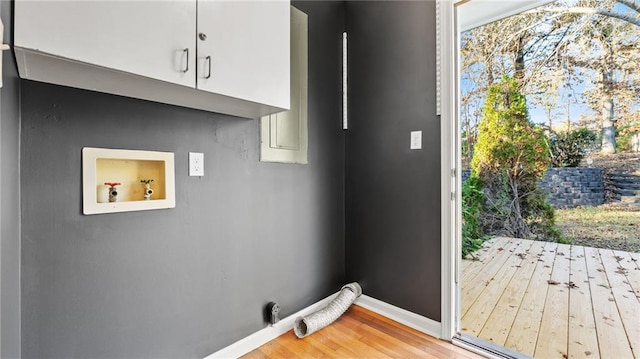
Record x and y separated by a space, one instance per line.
551 300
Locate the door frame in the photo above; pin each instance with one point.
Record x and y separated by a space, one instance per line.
448 28
446 34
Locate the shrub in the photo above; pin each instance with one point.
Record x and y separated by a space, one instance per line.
472 203
541 218
625 137
569 148
623 143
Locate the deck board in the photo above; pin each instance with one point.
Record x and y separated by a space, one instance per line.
554 327
496 328
470 294
552 300
583 339
482 308
611 334
523 334
625 299
631 263
483 256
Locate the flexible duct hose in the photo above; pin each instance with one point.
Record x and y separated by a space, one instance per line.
315 321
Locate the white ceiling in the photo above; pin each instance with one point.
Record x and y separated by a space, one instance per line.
476 13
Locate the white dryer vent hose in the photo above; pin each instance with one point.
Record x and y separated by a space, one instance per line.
315 321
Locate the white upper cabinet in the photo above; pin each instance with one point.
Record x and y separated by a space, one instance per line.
241 50
224 56
154 39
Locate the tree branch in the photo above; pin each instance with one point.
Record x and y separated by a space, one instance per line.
591 11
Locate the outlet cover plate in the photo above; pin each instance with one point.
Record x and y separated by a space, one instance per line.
416 140
196 164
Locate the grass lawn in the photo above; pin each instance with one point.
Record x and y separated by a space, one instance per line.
601 227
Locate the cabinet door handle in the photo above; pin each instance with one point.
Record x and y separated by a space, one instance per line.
186 68
208 59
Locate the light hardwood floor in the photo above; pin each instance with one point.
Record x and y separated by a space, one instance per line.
361 333
551 300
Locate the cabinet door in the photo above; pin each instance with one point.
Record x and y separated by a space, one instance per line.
146 37
246 51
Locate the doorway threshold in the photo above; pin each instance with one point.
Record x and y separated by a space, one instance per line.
485 348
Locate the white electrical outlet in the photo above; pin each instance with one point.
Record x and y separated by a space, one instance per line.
196 164
416 140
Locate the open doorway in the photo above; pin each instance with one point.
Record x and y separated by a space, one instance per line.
526 285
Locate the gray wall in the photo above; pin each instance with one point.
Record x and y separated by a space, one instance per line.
393 193
9 199
183 282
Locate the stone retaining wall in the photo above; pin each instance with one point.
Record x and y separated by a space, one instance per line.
570 186
573 186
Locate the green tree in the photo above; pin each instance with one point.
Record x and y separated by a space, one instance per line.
568 51
511 155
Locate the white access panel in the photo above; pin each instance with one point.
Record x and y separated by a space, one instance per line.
284 135
145 37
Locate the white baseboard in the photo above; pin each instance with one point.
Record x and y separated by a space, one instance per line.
257 339
402 316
